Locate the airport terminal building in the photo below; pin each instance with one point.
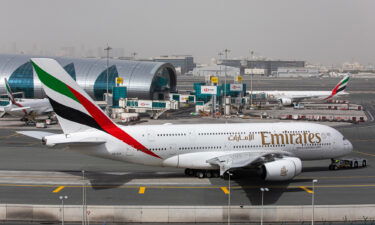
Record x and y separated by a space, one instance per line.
144 80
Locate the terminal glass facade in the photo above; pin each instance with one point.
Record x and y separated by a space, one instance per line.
22 80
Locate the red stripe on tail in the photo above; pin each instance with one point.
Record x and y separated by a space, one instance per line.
108 126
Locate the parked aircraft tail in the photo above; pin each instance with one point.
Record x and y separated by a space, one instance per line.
9 91
339 87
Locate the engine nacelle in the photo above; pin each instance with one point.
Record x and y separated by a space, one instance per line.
281 169
286 101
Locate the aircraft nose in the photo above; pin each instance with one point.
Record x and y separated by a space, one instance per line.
348 146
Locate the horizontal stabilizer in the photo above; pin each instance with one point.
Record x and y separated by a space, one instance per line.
35 134
20 108
79 143
2 114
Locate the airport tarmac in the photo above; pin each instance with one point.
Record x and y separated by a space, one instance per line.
32 173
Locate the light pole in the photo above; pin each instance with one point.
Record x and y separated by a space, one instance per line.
83 198
107 49
62 208
261 213
226 51
229 174
220 54
134 54
312 200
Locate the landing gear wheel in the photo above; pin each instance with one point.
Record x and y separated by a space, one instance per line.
330 167
208 174
199 174
334 167
355 164
215 174
190 172
364 163
187 172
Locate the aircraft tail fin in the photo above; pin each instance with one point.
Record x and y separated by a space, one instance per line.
9 91
339 87
75 109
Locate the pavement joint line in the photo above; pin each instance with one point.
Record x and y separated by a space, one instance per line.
74 178
192 187
58 189
338 177
362 140
9 136
225 190
142 190
306 189
364 153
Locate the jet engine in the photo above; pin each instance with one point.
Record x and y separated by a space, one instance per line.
286 101
281 169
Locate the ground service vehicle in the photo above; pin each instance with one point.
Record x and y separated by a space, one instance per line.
347 163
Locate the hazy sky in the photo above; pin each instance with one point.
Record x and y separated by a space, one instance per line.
326 31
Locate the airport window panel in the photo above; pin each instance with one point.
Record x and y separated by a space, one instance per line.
71 70
100 85
21 80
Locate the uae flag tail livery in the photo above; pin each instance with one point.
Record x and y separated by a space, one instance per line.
75 109
9 91
339 87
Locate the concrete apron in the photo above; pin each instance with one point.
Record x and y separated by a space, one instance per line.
74 213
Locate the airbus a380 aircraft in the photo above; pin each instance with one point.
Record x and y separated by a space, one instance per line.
289 97
27 109
276 149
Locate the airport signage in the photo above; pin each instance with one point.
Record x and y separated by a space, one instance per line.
235 87
214 80
144 104
211 90
254 71
238 79
119 80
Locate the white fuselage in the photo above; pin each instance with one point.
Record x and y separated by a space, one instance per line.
190 146
299 95
34 107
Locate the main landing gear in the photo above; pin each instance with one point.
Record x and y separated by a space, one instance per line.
202 173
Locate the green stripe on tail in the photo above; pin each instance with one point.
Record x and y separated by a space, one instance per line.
53 83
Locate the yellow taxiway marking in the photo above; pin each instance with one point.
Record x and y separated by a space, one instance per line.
225 190
306 189
142 190
364 153
58 189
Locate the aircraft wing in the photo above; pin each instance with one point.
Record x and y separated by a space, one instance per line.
244 159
